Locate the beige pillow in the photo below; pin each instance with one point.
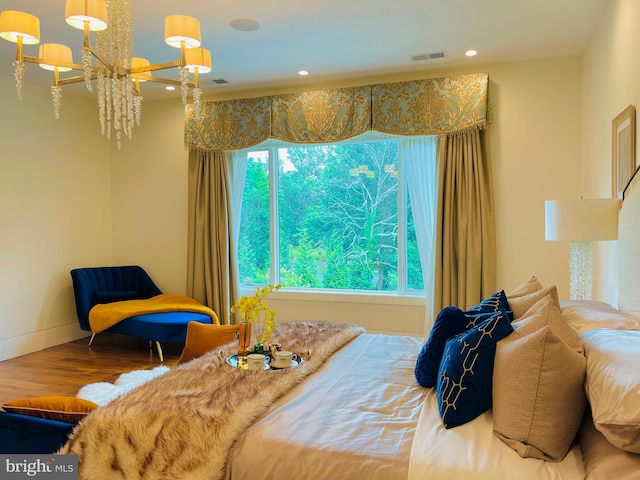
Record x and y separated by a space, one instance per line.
520 305
538 391
546 312
530 286
613 384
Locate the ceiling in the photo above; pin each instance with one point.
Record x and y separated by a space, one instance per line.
332 39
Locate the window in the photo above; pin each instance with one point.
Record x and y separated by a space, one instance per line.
333 216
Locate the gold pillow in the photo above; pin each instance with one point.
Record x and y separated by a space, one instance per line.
60 408
203 337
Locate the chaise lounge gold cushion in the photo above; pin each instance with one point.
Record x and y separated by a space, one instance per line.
202 338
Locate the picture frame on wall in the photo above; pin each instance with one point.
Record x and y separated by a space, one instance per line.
623 144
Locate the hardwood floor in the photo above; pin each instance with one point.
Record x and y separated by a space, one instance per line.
63 369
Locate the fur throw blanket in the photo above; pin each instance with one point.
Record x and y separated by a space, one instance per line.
182 424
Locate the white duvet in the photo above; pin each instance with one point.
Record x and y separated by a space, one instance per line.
472 451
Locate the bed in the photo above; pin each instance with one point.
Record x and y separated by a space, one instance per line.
355 408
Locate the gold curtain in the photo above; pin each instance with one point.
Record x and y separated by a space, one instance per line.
211 271
420 107
465 227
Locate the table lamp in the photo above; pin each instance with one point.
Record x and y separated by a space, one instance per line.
581 222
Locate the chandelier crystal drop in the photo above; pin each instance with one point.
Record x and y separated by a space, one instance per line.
18 72
110 63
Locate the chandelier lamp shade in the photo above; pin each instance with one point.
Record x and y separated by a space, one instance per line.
581 222
109 61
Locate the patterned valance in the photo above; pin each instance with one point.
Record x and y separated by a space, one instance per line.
421 107
431 107
229 125
321 116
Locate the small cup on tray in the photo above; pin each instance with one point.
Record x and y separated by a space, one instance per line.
282 359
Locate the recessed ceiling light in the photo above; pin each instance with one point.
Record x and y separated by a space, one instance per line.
303 73
170 87
244 24
470 53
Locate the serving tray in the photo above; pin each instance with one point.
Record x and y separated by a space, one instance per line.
242 364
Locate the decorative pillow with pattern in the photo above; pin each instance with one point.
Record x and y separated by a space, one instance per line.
449 322
464 383
495 303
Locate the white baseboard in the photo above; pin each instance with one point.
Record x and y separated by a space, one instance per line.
35 341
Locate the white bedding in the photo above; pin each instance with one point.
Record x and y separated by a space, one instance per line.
473 451
362 416
353 419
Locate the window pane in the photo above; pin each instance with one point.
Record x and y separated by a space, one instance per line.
253 248
338 216
414 269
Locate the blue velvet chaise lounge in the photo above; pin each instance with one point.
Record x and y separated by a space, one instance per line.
104 285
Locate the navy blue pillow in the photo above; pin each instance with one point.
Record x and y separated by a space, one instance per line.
450 321
476 318
463 387
495 303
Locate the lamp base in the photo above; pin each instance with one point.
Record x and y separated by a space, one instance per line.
580 268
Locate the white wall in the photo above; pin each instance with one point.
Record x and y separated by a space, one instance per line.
149 189
611 79
55 214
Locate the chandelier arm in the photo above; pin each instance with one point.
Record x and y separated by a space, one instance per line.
99 57
170 81
157 66
86 41
71 80
19 56
30 59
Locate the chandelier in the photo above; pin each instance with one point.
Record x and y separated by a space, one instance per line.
110 62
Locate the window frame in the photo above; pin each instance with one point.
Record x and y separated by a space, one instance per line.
403 292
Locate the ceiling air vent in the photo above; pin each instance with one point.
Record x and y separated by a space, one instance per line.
428 56
219 81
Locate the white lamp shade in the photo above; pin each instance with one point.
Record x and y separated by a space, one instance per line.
77 12
581 220
54 52
14 25
182 28
199 58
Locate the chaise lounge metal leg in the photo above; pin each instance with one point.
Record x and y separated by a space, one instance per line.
93 335
159 351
